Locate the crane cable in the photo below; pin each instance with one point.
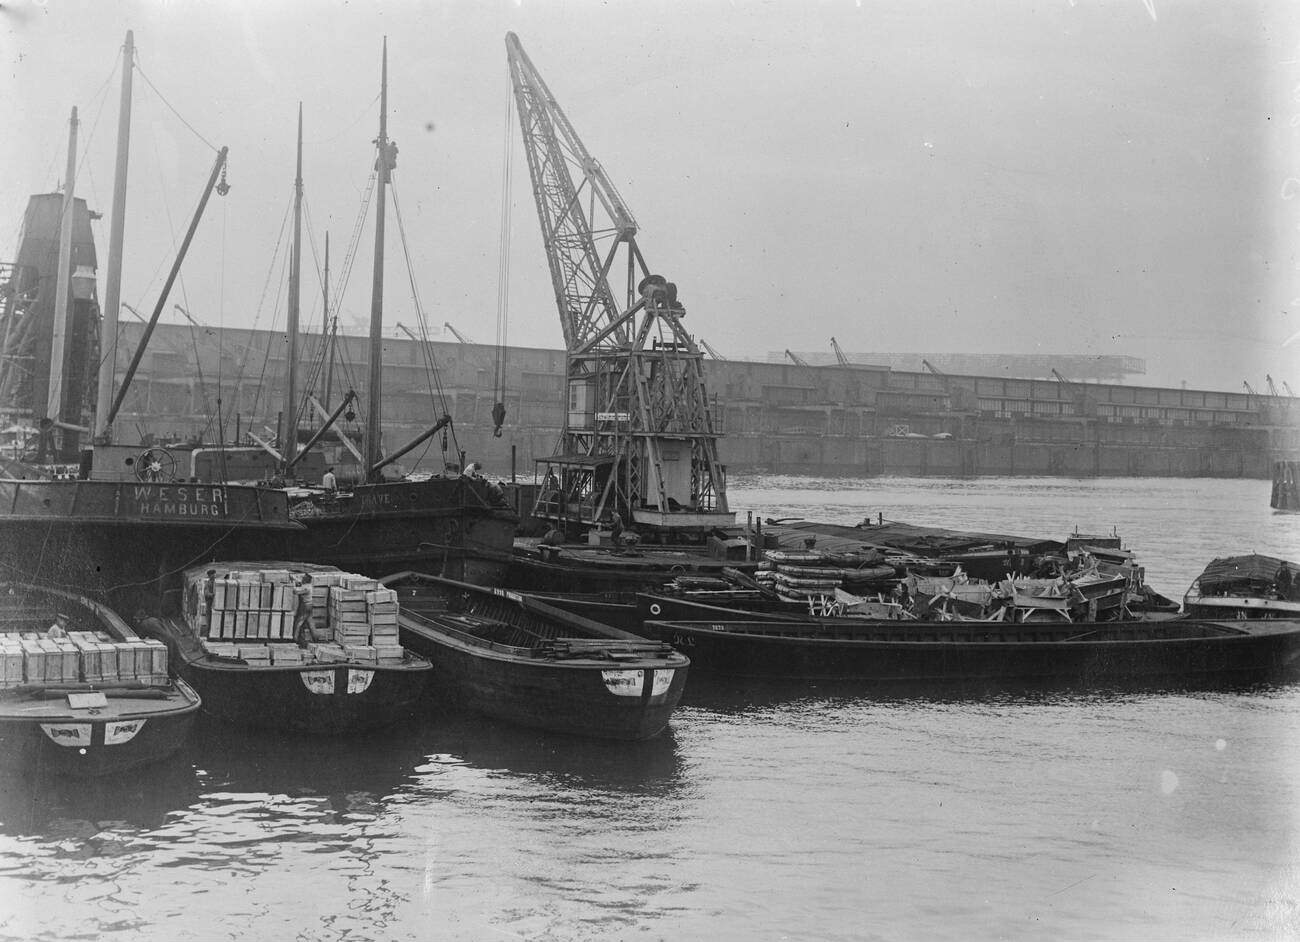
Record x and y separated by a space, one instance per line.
503 270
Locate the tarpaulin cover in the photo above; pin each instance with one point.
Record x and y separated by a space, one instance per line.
1232 570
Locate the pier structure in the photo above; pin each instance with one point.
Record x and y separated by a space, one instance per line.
783 417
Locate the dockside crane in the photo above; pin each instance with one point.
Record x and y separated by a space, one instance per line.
839 354
1272 387
456 333
638 438
707 348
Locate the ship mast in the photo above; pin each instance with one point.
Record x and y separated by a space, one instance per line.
113 279
383 164
289 447
63 283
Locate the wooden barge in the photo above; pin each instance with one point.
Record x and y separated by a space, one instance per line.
517 659
80 693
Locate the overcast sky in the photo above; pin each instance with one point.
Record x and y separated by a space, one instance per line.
1062 176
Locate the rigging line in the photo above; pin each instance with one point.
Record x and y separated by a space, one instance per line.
270 335
364 114
354 242
98 103
266 285
315 354
162 259
503 261
221 343
431 364
434 375
139 68
198 359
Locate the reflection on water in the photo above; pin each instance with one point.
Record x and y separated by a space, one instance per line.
55 808
648 766
740 696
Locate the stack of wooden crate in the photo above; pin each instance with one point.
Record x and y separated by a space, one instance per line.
252 605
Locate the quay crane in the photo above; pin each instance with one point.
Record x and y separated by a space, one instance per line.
839 354
707 348
461 338
638 439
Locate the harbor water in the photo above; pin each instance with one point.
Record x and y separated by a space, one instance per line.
767 811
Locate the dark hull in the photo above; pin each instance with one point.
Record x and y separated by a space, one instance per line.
325 699
628 611
972 653
124 542
81 745
450 526
516 659
563 697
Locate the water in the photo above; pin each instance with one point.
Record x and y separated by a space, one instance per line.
766 811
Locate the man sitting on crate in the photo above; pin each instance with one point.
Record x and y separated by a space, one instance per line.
60 627
302 610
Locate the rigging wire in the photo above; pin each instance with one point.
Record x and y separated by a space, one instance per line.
97 103
503 270
437 392
139 68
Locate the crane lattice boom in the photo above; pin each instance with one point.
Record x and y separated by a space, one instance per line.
639 438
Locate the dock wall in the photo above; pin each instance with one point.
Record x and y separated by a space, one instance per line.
779 417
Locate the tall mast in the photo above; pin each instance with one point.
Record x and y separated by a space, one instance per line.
113 279
63 284
289 447
374 413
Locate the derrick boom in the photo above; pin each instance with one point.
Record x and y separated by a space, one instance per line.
638 437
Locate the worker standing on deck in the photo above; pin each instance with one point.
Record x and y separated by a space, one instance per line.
616 531
302 610
209 593
1283 582
329 482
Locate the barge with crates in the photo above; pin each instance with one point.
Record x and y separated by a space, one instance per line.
292 646
80 692
518 659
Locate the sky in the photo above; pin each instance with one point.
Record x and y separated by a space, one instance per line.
1063 176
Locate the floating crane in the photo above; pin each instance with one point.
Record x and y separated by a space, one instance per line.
638 438
839 354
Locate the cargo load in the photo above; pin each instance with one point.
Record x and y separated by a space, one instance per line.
251 614
33 658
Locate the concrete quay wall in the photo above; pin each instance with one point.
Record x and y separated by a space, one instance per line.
783 417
